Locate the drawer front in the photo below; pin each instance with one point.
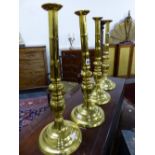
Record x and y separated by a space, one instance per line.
32 67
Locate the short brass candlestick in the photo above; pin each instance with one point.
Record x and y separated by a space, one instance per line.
102 97
60 137
106 83
86 114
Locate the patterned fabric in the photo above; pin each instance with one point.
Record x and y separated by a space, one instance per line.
35 102
30 109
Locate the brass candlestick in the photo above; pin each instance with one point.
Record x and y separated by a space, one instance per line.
106 83
86 114
101 96
61 137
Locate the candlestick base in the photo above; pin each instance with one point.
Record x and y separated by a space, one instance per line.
63 141
107 84
100 96
88 116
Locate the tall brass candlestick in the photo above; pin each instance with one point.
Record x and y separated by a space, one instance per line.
60 137
106 83
102 97
86 114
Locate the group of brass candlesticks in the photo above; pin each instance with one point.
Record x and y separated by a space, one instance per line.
61 136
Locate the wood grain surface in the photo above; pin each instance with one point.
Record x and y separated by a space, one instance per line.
32 67
95 141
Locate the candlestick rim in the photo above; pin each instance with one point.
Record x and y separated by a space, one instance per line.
52 6
106 21
97 18
82 12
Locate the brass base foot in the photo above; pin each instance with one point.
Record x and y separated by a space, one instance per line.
107 84
100 97
88 117
60 142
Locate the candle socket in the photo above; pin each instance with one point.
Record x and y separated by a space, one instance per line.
60 137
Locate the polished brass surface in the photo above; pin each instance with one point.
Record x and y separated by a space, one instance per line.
99 94
105 82
60 137
86 114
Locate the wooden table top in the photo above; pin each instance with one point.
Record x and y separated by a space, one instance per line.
95 141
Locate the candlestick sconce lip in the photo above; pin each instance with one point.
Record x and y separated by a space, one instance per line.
97 18
82 12
106 21
52 6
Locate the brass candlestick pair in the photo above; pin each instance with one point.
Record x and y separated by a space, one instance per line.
99 94
63 137
86 114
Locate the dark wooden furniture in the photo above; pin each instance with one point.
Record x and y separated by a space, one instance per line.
32 67
122 62
71 65
129 90
95 141
127 143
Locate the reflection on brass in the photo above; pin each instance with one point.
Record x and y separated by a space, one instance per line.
60 137
106 83
86 114
101 96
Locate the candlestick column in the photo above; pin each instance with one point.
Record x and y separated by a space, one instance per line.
106 83
60 137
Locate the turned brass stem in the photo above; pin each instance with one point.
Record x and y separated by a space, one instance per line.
106 83
84 37
97 62
53 39
106 48
87 85
56 88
